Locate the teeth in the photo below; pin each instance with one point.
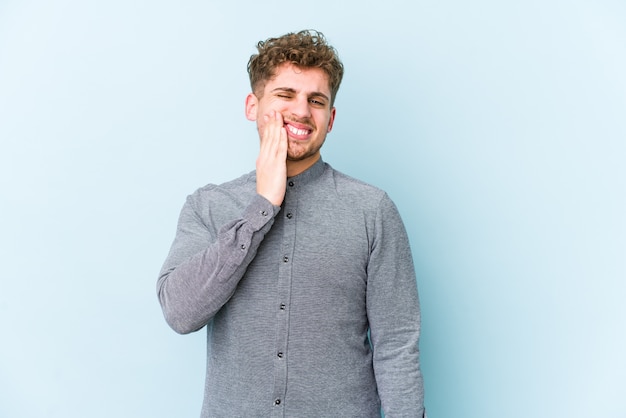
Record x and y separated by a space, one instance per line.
296 131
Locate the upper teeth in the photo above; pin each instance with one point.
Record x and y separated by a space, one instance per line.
297 131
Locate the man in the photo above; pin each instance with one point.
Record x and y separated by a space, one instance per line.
302 275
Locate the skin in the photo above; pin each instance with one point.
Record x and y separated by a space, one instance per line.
293 116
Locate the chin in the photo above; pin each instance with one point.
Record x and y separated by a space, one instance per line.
296 157
299 153
296 154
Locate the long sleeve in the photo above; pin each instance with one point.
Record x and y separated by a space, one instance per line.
394 317
204 267
290 295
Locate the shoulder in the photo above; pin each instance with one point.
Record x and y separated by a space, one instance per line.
355 191
232 189
226 199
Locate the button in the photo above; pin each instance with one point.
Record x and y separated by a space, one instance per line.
291 184
285 259
264 213
243 246
280 355
282 306
289 215
277 402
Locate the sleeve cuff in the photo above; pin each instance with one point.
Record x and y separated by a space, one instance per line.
259 212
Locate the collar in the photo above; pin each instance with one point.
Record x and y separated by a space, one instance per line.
308 175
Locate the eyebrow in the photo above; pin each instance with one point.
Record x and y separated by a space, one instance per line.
293 91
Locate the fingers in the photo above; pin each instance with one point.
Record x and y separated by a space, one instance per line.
272 161
274 135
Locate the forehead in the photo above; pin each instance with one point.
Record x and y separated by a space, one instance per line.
307 80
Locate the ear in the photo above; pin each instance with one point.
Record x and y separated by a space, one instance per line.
332 119
252 104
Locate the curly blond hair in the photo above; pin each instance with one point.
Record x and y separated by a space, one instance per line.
306 49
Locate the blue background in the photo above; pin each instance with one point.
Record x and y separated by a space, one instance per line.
498 128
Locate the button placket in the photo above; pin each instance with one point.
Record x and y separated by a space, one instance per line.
283 289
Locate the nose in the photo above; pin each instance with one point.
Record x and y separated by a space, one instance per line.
301 107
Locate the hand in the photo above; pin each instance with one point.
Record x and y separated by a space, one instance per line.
271 164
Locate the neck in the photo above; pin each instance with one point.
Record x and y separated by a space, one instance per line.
296 167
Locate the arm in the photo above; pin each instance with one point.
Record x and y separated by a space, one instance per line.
394 317
201 274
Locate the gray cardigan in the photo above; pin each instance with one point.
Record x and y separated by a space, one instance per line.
288 295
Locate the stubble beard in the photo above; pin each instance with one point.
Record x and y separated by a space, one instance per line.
299 152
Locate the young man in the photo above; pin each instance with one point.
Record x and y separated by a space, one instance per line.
289 267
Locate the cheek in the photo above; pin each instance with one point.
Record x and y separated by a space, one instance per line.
265 106
324 123
260 122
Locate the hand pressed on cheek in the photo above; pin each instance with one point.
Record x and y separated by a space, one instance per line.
271 165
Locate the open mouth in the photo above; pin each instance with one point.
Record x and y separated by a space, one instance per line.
302 132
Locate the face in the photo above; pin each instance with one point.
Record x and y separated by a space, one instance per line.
302 97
